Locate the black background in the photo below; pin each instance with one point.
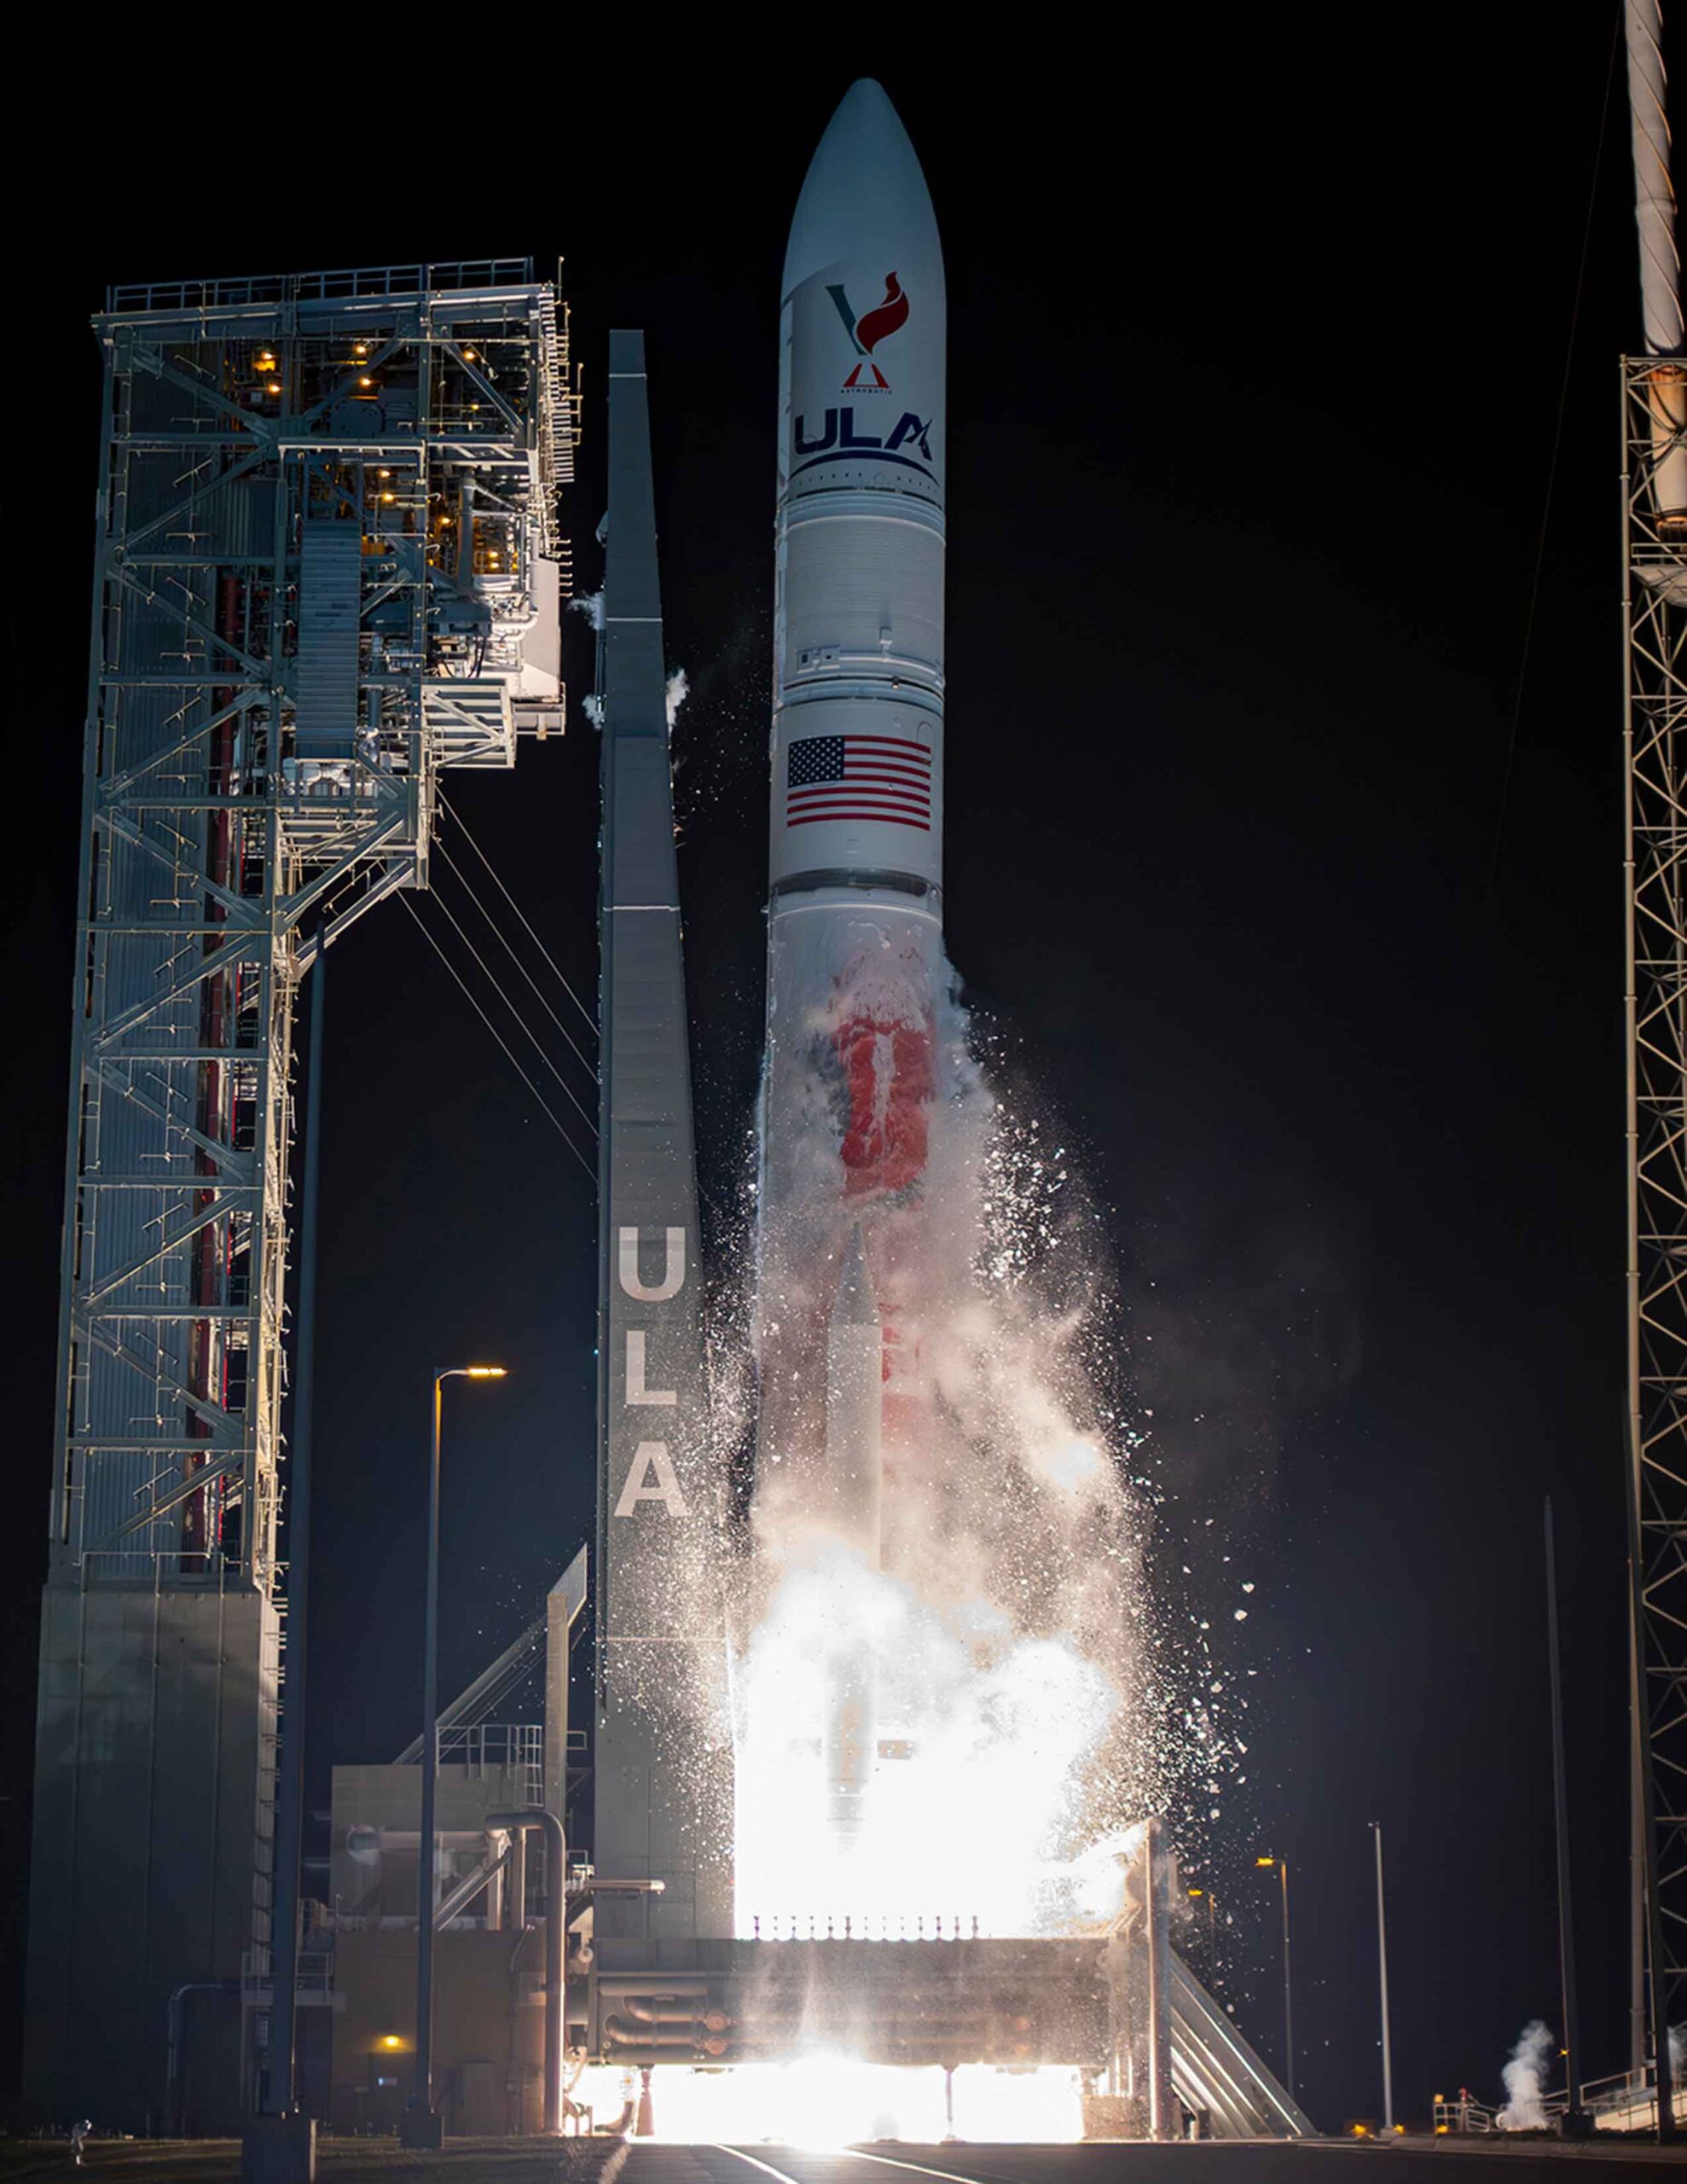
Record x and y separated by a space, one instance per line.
1258 329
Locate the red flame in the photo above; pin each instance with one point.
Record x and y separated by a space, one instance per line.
892 313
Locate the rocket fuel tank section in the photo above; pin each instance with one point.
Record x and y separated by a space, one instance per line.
855 935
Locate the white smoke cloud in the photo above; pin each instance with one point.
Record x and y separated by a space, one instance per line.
678 691
1001 1626
1525 2077
590 604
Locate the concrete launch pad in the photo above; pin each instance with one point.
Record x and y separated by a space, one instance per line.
614 2161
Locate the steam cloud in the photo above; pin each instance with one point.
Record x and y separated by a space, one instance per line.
1525 2078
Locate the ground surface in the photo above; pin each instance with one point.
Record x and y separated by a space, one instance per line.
504 2161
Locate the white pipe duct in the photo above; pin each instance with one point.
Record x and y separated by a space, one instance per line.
1654 191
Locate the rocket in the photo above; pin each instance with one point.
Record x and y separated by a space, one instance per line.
851 1089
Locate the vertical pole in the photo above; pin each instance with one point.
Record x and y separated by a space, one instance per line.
1157 1908
1382 1986
1288 1992
1567 1959
1649 1839
430 1761
1640 1747
290 1794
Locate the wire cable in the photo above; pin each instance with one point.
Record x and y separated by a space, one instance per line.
509 948
434 944
1552 464
591 1020
487 972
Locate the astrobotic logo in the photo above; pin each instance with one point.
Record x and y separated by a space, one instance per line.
866 334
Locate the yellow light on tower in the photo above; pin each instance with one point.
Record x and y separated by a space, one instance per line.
366 382
1265 1861
485 1372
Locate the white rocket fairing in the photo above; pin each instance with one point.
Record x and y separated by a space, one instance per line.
854 934
858 643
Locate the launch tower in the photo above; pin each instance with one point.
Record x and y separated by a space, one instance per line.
327 567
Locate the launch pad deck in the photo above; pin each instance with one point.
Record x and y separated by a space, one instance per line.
1011 2004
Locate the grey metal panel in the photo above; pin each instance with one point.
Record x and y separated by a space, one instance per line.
663 1760
153 1754
330 584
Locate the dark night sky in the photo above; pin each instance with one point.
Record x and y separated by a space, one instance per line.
1254 379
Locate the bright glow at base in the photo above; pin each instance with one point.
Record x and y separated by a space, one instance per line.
829 2100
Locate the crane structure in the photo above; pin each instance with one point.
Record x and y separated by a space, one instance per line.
327 567
1654 739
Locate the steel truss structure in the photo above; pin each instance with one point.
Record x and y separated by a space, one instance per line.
1655 594
328 566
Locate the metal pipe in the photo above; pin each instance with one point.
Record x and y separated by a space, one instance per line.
556 1921
648 2035
290 1792
1646 1815
457 1899
1566 1957
421 2090
176 2043
518 1883
670 2010
1382 1986
1654 190
1288 1992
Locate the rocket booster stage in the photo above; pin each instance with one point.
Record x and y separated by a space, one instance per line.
854 934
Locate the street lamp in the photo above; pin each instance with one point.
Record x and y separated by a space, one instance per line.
1383 1985
1282 1868
423 2127
1196 1896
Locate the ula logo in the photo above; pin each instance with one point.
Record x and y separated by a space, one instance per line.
837 432
866 334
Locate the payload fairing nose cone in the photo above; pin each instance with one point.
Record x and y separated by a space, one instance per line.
859 642
865 192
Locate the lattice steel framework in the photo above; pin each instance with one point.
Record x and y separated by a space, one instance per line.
1654 591
328 566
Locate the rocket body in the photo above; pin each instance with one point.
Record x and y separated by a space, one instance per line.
851 1089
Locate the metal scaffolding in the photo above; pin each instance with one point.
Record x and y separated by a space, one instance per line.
1654 593
327 566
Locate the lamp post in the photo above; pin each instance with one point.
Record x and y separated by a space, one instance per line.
1281 1865
1195 1896
423 2127
1382 1986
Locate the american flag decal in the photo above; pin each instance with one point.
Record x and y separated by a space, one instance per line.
884 778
